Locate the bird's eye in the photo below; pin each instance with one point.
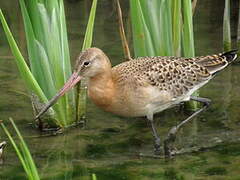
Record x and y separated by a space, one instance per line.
86 63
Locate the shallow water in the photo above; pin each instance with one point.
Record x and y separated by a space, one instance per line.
109 145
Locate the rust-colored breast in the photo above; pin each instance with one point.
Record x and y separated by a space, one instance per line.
101 91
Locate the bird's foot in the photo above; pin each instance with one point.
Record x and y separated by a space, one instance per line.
157 147
169 150
157 150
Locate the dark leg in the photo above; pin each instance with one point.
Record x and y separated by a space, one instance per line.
155 134
172 133
156 138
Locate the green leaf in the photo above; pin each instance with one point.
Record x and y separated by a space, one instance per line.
87 43
49 57
22 66
48 50
90 26
140 30
226 27
177 26
22 152
162 28
26 152
188 42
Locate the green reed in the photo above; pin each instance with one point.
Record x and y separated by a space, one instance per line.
82 90
226 27
22 152
48 55
163 28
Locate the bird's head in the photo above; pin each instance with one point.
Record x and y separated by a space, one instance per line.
90 63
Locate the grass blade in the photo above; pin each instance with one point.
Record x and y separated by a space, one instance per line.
30 41
89 31
162 28
94 177
48 50
188 40
22 66
23 153
226 27
142 41
177 26
122 32
139 44
16 148
87 43
46 34
25 150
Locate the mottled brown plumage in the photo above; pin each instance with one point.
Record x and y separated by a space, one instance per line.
146 85
172 74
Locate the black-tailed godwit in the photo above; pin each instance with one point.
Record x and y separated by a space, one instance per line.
145 85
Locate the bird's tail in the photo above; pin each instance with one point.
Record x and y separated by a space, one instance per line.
216 63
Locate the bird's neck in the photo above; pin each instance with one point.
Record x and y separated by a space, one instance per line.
101 88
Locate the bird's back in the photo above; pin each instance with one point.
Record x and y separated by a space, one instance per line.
176 74
164 81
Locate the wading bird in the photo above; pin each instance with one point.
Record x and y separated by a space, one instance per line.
145 85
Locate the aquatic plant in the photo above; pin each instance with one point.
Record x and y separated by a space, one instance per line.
81 88
94 177
22 152
162 28
125 46
48 54
226 27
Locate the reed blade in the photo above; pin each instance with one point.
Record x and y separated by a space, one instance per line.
48 50
226 27
177 26
21 63
22 152
162 28
87 43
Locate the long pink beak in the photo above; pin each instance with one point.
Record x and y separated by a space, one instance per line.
73 80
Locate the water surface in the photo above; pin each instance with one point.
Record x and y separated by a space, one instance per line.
109 145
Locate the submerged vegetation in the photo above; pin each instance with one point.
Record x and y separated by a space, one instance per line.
48 53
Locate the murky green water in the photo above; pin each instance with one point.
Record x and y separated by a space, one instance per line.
109 145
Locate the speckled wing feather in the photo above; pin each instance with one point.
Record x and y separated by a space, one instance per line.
215 63
176 75
170 74
173 74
